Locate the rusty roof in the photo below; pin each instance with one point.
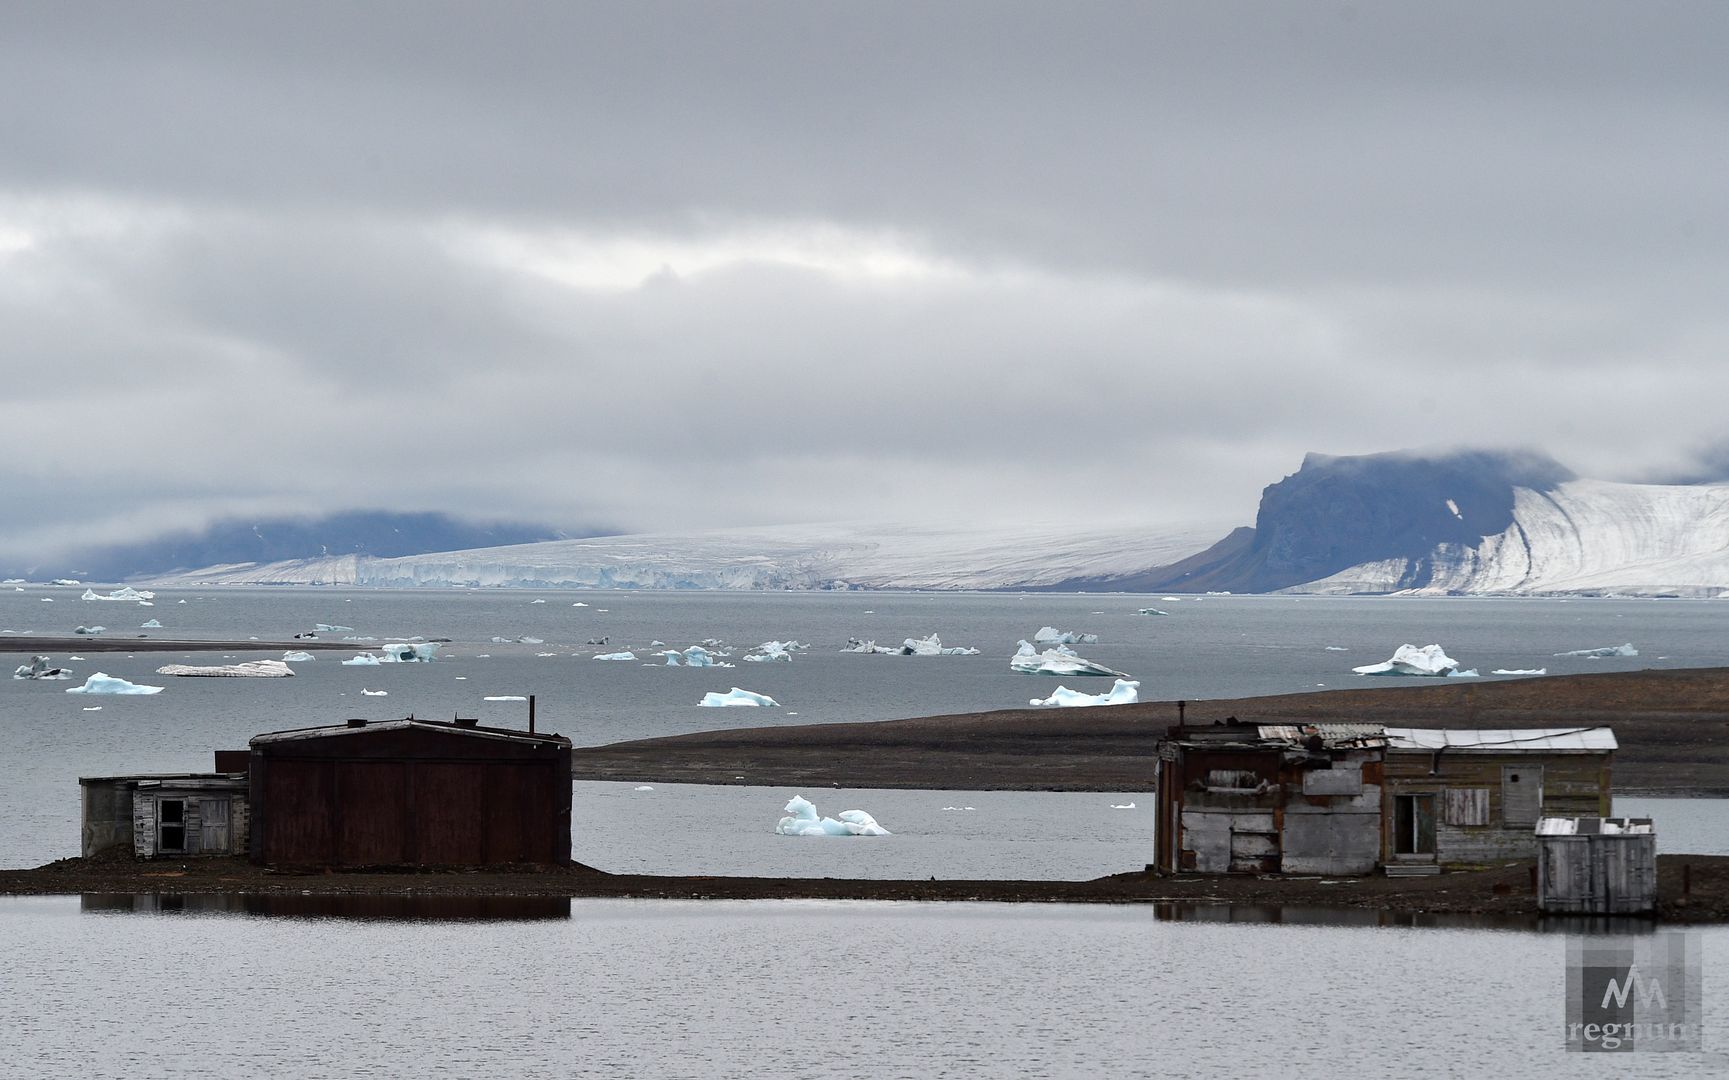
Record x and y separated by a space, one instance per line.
1332 735
1504 740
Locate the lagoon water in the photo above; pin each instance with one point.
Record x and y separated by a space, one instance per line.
776 988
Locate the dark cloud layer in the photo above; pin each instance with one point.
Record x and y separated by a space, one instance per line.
687 265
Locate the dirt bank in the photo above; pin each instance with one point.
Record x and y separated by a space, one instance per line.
1673 727
1499 891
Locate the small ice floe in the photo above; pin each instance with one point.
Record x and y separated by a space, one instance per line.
1410 660
1337 648
735 696
251 669
655 642
802 820
1520 671
1607 651
1060 660
40 668
89 629
1050 635
103 683
293 657
537 601
1124 806
579 603
530 641
695 656
933 646
124 593
505 697
643 787
358 637
1151 611
1123 692
363 660
855 645
598 640
332 628
47 599
74 659
773 650
150 625
92 708
1463 673
957 808
615 656
374 693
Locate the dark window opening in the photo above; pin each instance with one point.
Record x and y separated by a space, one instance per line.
173 838
1414 825
172 811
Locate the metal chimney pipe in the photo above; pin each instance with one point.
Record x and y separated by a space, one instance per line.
531 714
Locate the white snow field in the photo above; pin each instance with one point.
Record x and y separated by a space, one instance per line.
1586 536
778 557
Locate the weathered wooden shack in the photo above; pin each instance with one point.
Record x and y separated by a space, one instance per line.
410 792
1237 797
1596 866
178 815
1476 796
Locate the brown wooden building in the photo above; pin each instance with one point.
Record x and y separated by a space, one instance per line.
409 793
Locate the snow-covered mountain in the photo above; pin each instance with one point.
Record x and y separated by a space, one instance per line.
782 557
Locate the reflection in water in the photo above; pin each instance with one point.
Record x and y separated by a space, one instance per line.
1298 915
295 905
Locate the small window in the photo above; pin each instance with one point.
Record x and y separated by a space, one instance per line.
172 811
171 825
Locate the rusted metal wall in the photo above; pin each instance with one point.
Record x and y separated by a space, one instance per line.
1473 792
416 797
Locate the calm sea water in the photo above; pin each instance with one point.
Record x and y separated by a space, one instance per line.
1215 646
809 989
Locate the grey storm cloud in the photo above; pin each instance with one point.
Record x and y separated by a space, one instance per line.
686 265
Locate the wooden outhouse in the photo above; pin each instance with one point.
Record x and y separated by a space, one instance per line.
1596 866
1476 796
176 815
410 793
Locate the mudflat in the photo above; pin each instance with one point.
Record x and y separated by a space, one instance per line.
1672 726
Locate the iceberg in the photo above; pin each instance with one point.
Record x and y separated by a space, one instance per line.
89 629
150 625
616 656
363 660
774 650
1050 635
932 646
735 696
1520 671
1598 654
39 668
103 683
695 656
374 693
1123 692
854 645
125 592
1410 660
802 820
1463 673
409 652
1151 611
296 657
329 628
251 669
1060 660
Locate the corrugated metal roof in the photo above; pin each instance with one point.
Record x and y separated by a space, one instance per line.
1503 740
1331 734
443 727
1592 826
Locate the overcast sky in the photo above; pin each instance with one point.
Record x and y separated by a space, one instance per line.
679 266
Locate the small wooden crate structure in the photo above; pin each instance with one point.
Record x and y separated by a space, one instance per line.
1596 866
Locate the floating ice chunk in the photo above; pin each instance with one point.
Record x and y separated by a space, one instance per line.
616 656
103 683
124 592
1337 648
537 601
409 652
579 603
695 656
40 668
1058 661
803 820
773 650
854 645
1462 673
643 787
330 628
1598 654
292 657
374 693
89 629
251 669
92 708
530 641
1123 692
1410 660
506 697
1050 635
1123 806
70 582
735 696
363 660
932 646
150 625
1520 671
1151 611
